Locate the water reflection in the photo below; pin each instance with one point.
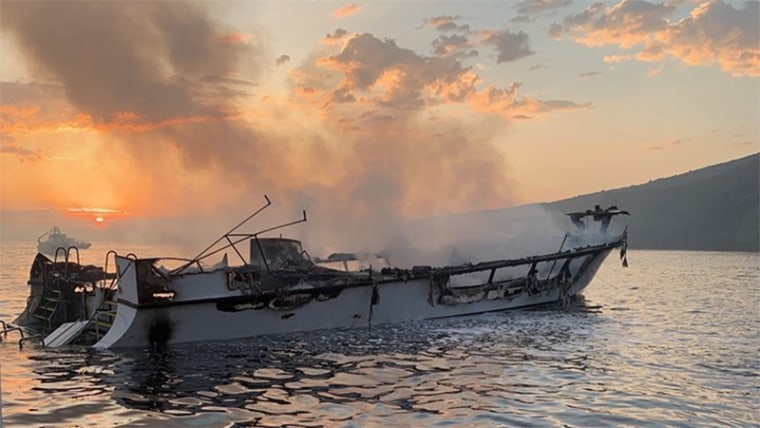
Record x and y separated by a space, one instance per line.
440 371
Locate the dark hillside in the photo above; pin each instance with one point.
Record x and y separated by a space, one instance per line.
713 208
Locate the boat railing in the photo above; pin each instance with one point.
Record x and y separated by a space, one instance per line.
8 328
233 239
603 216
554 263
532 260
186 263
76 251
111 254
63 251
240 237
66 254
344 258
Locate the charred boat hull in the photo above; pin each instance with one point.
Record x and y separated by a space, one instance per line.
204 306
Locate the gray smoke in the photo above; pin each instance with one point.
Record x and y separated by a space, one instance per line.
171 70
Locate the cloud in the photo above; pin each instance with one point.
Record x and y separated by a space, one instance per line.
234 38
506 101
509 46
282 59
9 146
522 19
455 41
29 107
590 74
379 71
29 93
713 33
459 41
162 82
624 24
529 7
38 108
383 75
616 58
455 45
670 144
446 23
346 10
24 100
339 36
652 72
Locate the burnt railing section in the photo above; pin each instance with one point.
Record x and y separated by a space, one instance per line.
58 294
603 216
271 288
233 239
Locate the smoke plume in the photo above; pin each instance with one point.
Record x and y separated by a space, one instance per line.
369 137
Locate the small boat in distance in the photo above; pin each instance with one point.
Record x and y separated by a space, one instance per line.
55 239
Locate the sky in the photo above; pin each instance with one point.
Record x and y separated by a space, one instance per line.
173 118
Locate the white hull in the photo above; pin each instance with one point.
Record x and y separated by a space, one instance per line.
193 314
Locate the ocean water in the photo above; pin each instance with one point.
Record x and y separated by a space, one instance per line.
674 340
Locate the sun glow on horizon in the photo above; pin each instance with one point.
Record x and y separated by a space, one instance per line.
99 215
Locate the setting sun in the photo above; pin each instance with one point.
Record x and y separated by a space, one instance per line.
99 219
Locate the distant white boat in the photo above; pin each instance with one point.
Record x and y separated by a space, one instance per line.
281 289
50 241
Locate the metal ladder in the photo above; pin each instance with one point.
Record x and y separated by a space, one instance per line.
100 322
51 291
102 319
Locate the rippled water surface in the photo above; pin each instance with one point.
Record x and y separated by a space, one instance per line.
672 341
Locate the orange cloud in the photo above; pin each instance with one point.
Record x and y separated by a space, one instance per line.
616 58
506 102
446 23
379 75
652 72
15 121
234 38
380 72
713 33
99 215
8 146
346 10
339 36
22 120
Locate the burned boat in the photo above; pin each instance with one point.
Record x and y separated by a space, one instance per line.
279 288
